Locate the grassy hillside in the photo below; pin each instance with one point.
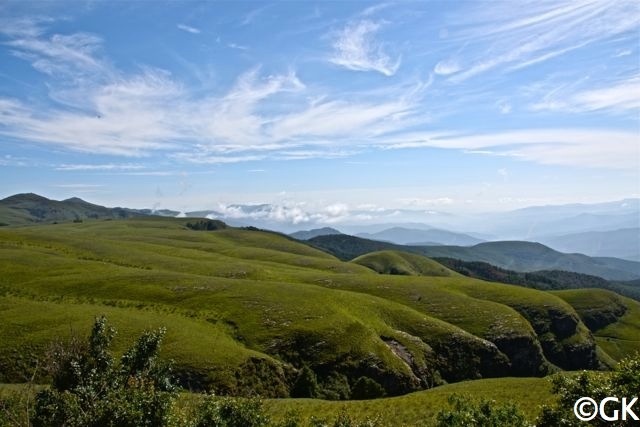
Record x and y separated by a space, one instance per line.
402 263
420 408
246 309
544 279
614 320
518 256
25 209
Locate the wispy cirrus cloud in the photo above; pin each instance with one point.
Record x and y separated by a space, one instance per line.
514 35
355 48
135 114
188 28
237 46
572 147
99 167
100 109
620 96
447 66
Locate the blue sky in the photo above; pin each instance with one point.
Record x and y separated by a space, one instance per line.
324 108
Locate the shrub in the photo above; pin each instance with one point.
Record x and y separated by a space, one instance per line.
306 384
230 412
624 381
90 388
206 225
482 413
366 388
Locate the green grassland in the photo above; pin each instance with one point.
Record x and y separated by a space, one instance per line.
420 408
414 409
614 319
402 263
245 309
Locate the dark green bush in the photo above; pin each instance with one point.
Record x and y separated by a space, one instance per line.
306 384
229 412
366 388
624 381
466 412
206 225
90 388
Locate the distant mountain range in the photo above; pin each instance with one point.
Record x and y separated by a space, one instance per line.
310 234
409 236
512 255
555 220
623 243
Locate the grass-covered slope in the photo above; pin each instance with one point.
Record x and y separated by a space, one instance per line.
548 280
614 320
247 284
29 208
250 307
420 408
402 263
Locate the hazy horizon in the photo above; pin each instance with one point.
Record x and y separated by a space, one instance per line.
322 108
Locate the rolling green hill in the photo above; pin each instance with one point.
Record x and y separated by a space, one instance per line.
544 279
614 320
402 263
518 256
246 309
420 408
24 209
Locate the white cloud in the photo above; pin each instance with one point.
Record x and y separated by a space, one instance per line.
250 17
372 10
446 67
68 55
572 147
99 167
504 107
79 186
9 160
356 49
519 34
188 29
136 114
621 96
622 52
237 46
124 117
420 202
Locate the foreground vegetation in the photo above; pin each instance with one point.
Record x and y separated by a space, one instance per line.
90 387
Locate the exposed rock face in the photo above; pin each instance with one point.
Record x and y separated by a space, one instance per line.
524 353
564 339
599 317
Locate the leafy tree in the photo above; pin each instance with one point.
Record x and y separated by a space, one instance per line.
483 413
306 384
230 412
366 388
90 388
624 381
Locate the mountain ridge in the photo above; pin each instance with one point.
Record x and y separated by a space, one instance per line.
514 255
